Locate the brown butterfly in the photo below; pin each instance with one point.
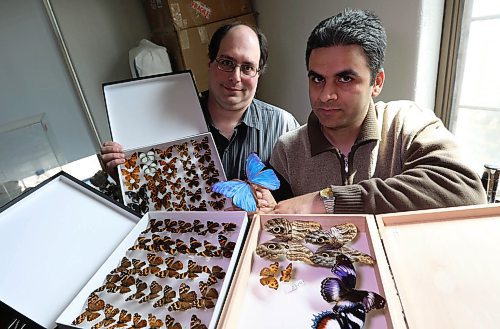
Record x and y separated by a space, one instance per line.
286 274
171 225
111 282
125 264
140 245
180 205
196 323
91 312
137 266
194 196
172 270
217 205
226 248
140 287
161 203
138 321
193 270
188 166
228 227
182 149
123 319
154 292
187 299
168 297
209 251
169 168
193 245
201 145
126 283
155 226
212 227
192 182
171 324
153 322
109 313
197 226
202 206
153 267
216 272
185 227
268 276
165 153
207 296
161 244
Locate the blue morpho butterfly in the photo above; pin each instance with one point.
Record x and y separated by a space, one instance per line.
242 192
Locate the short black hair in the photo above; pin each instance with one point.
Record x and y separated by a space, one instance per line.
214 45
352 27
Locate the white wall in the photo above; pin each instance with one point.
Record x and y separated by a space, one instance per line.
287 25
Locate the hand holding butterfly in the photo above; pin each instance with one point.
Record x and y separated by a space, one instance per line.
305 204
112 155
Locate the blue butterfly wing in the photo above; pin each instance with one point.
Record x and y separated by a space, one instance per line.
266 178
229 188
240 192
245 199
344 269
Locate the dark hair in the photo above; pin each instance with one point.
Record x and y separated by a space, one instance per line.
352 27
214 45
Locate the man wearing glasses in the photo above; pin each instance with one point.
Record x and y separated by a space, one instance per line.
239 123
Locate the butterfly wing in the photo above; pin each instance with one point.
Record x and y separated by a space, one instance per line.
266 178
240 192
351 319
344 269
331 289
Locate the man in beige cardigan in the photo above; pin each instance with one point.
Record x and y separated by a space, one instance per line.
357 156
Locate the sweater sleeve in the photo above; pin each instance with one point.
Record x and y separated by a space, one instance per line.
432 176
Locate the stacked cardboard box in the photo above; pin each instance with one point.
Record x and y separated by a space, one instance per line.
185 27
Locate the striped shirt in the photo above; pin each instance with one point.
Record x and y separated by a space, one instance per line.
258 131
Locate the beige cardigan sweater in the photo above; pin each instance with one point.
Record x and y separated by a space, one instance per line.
404 159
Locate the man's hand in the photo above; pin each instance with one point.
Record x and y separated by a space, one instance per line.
305 204
112 155
265 200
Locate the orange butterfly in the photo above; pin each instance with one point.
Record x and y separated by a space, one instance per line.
165 153
153 322
131 178
185 227
267 276
207 296
111 282
187 299
131 162
182 149
138 322
194 182
123 319
91 312
199 146
109 313
124 265
180 205
193 270
139 292
196 323
286 274
154 292
226 248
169 168
168 297
171 324
209 251
172 270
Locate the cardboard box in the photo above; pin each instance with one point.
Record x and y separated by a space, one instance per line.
188 48
167 15
435 268
208 316
53 238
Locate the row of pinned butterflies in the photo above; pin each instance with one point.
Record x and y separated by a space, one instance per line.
178 177
106 315
196 226
349 305
291 239
165 244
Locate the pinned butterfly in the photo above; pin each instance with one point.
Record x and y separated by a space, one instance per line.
242 192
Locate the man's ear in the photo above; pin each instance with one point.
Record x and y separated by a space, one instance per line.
379 83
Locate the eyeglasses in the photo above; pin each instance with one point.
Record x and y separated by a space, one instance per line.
228 65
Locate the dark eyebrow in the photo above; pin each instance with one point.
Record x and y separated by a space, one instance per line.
312 74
